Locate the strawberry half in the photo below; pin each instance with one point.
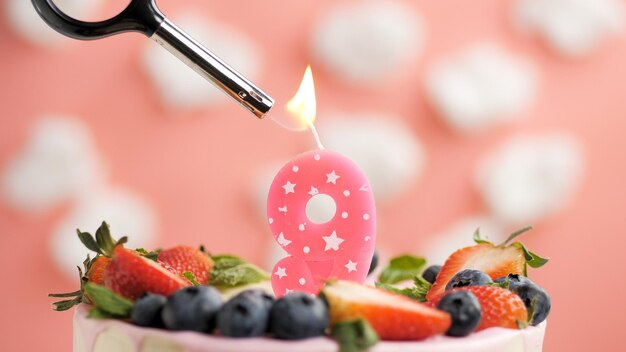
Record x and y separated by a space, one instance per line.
499 306
131 275
393 316
188 259
495 260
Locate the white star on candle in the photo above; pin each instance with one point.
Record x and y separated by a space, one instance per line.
332 241
282 240
351 266
332 177
313 191
280 272
283 209
289 187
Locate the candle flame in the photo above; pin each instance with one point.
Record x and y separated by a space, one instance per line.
302 106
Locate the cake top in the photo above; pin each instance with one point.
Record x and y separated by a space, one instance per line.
186 288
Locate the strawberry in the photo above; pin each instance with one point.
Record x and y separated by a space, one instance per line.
94 269
495 260
98 267
392 316
499 306
188 259
131 275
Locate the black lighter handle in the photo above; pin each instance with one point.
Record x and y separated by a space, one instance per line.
139 16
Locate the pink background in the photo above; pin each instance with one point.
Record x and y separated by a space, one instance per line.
196 170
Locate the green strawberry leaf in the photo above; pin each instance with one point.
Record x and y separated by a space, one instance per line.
109 302
230 271
478 239
65 295
103 243
154 255
353 335
532 259
503 284
97 313
516 234
88 241
417 292
191 277
402 268
104 239
64 305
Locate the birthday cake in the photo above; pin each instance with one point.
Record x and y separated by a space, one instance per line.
183 299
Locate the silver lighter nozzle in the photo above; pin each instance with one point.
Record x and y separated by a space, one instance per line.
212 68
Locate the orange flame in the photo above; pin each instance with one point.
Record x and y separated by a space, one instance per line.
302 106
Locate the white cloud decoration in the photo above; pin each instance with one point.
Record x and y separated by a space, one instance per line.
572 27
365 41
530 177
482 86
180 86
381 145
58 162
126 213
25 22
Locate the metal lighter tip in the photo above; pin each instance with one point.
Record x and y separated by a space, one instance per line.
212 68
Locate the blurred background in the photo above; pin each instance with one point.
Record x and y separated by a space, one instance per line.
496 115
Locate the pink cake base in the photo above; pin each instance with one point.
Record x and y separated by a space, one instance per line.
92 335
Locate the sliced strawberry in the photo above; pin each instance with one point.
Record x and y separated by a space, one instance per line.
500 307
188 259
131 275
393 316
495 260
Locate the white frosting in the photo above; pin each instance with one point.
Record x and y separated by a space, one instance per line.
482 86
365 41
90 335
572 27
179 85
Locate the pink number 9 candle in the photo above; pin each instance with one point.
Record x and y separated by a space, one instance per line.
339 245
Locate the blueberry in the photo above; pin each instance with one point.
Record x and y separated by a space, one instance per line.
430 274
374 263
468 277
245 315
192 308
298 315
147 311
464 309
535 298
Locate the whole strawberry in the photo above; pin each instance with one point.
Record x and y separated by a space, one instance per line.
188 259
94 269
495 260
499 307
131 275
97 271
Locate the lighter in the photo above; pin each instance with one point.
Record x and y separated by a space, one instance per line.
144 16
